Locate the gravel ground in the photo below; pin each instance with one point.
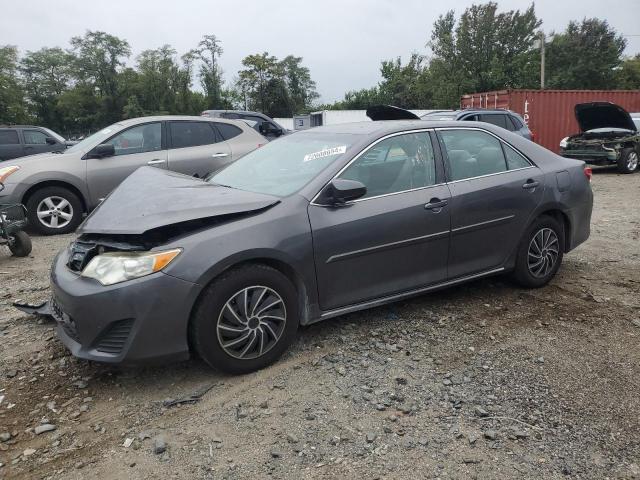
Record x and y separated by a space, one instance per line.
481 381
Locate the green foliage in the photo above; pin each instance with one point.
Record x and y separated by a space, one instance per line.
628 76
585 56
276 88
12 96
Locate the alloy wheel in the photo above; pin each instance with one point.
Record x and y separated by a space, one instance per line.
55 212
543 252
632 161
251 322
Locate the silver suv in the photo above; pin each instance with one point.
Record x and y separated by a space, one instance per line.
59 188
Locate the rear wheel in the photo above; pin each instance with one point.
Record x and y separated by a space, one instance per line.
54 210
20 244
245 319
628 161
540 253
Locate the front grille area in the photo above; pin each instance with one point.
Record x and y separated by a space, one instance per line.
65 321
112 341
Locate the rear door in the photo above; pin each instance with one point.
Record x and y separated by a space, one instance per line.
394 239
494 191
135 147
196 148
10 146
239 141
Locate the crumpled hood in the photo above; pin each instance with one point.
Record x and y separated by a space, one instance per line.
389 112
602 115
150 198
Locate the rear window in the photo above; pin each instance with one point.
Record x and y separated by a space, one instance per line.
9 137
517 123
191 134
228 131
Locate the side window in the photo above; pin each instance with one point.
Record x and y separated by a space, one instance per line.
9 137
470 118
34 137
396 164
514 159
191 134
517 123
472 153
228 131
497 119
140 139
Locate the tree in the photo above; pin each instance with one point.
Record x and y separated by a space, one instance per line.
628 76
12 102
209 51
301 88
585 56
98 60
483 50
259 80
47 74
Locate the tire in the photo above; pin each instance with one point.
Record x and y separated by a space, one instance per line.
628 161
66 201
217 335
539 237
21 244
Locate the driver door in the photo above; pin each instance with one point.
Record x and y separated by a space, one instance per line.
396 237
135 147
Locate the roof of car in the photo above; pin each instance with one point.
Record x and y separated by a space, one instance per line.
159 118
20 126
383 126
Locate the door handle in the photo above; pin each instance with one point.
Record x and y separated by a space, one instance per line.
435 204
220 155
155 161
531 184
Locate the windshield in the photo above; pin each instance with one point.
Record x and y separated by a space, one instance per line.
95 139
284 166
53 134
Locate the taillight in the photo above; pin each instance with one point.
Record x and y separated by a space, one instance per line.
261 144
588 172
533 136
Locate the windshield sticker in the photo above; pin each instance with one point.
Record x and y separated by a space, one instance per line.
327 152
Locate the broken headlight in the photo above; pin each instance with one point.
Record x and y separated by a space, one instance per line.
564 142
115 267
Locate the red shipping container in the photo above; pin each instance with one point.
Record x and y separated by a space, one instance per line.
549 113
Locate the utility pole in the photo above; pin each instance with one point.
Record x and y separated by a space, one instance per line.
542 46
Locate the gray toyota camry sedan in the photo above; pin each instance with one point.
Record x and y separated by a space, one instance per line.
315 225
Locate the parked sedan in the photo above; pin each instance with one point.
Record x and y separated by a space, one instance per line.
321 223
59 188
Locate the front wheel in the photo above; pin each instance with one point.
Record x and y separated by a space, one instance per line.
54 210
20 244
628 161
245 319
540 253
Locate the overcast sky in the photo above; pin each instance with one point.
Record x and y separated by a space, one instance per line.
342 41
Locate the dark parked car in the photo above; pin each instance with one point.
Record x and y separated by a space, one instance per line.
261 123
321 223
608 136
502 118
21 140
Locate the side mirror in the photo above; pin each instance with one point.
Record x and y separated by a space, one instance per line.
341 191
103 150
50 141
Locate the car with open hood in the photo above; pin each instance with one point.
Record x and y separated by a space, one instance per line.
315 225
608 136
59 188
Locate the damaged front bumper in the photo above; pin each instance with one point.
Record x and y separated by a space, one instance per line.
597 157
134 322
